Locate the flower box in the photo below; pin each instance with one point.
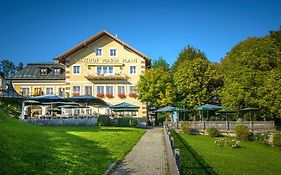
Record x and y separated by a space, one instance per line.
100 95
75 94
109 95
122 95
134 95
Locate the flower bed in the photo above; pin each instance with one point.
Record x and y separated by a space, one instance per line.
121 95
134 95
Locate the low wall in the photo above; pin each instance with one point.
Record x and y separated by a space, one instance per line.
230 125
64 122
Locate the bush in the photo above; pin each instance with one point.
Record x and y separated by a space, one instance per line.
262 138
251 136
104 120
214 132
127 122
226 142
185 127
242 132
277 140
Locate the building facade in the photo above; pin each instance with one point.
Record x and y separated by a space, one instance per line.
102 66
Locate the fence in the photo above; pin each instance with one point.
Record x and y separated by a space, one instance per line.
228 126
172 164
64 122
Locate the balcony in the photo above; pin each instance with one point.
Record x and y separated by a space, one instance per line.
116 76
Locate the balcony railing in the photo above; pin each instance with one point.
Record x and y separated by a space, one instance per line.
116 76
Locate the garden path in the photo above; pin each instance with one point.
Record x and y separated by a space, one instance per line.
148 156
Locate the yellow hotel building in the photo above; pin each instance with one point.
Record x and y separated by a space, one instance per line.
102 66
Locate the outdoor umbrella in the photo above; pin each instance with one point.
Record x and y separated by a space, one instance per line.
208 107
27 103
227 111
124 107
87 100
250 109
167 109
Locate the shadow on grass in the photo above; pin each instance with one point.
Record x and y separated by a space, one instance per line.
191 161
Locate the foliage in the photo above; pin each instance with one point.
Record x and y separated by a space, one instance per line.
104 120
277 140
127 122
156 87
242 132
262 138
189 53
232 143
30 149
11 105
251 158
20 67
250 72
185 127
276 37
161 117
160 63
7 67
197 81
213 132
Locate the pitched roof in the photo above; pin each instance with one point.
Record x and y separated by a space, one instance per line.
32 71
93 38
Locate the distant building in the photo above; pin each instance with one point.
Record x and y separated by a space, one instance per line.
102 66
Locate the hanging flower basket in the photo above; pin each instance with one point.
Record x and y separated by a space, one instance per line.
122 95
109 95
100 95
134 95
75 94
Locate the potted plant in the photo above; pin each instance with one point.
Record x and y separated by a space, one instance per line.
134 95
75 94
109 95
122 95
100 95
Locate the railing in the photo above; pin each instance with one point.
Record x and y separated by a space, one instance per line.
64 122
116 76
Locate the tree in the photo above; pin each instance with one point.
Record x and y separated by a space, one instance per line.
160 62
156 87
7 67
20 67
248 73
188 53
276 37
196 82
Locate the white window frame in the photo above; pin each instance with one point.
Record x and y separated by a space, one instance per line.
100 86
103 72
116 52
43 72
59 71
58 90
72 88
122 86
91 89
50 87
135 69
130 89
26 87
112 89
96 48
76 65
34 87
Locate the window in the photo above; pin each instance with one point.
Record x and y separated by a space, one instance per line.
132 89
121 89
57 71
100 89
133 69
113 52
75 90
61 91
105 70
49 90
43 71
88 90
25 91
98 51
76 69
109 90
38 91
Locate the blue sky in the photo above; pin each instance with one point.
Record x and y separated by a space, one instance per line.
37 30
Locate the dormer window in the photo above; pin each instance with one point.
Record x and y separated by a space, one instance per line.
43 71
57 71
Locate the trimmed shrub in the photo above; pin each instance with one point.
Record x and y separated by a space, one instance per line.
104 120
242 132
262 138
277 140
214 132
127 122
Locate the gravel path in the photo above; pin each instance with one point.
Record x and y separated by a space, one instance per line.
147 157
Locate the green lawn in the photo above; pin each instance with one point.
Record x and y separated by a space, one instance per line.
200 155
29 149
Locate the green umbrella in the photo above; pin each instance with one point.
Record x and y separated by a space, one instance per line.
250 109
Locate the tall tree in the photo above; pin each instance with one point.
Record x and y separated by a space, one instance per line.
20 67
276 36
247 69
187 54
7 67
156 87
160 62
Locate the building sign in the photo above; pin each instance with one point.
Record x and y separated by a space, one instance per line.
108 61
